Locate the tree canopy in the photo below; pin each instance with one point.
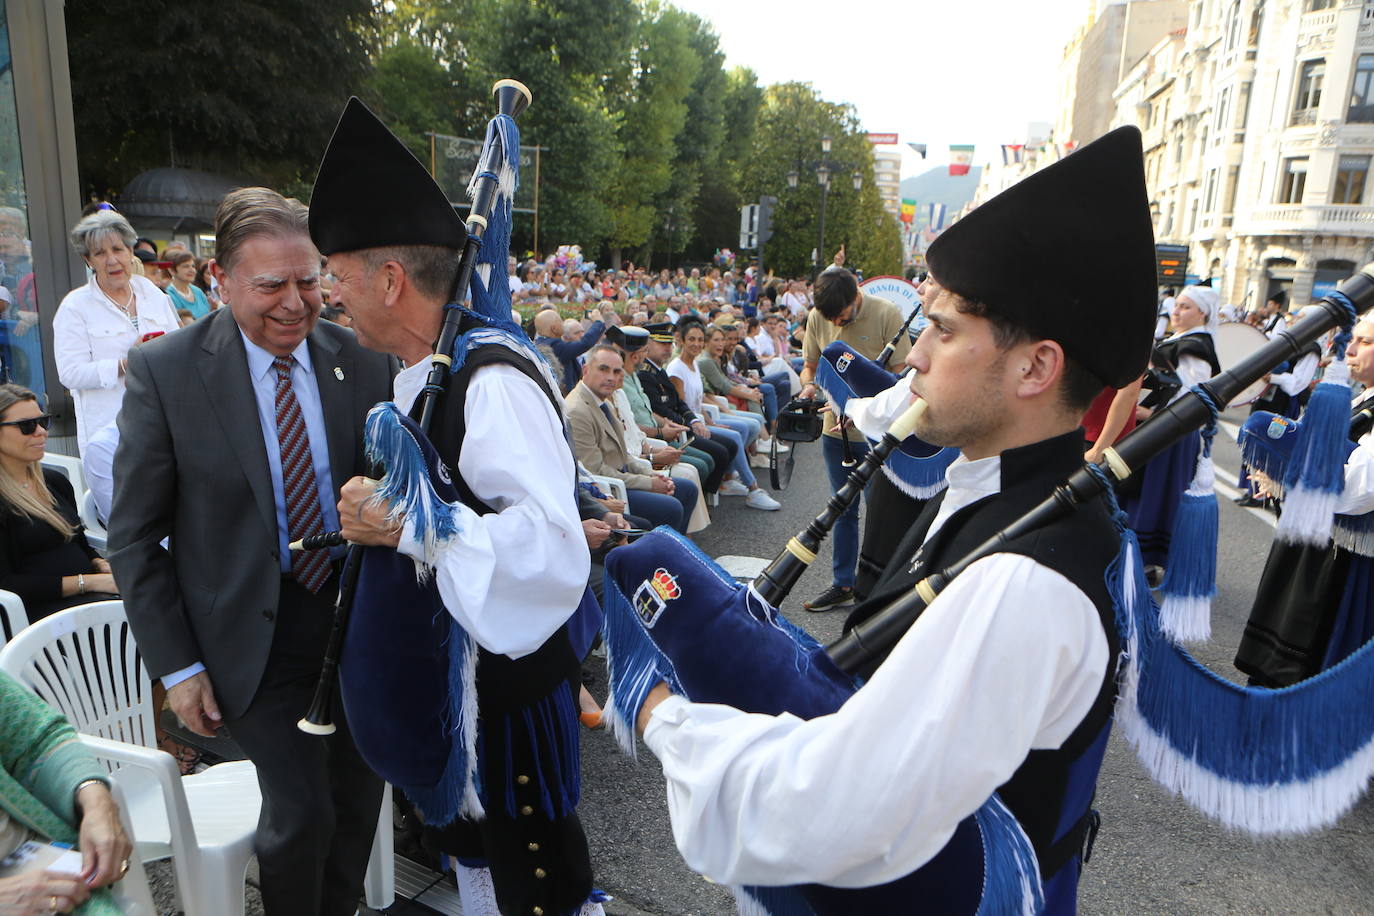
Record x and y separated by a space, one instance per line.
648 144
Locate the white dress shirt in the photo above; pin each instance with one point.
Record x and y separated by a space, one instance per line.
1008 659
512 578
90 337
1295 382
873 415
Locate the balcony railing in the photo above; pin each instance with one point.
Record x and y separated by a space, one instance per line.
1283 218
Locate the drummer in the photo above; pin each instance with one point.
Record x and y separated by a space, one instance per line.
1289 386
1190 353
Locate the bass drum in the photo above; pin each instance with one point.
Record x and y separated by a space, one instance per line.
1234 341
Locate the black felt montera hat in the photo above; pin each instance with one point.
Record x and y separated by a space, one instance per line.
1089 210
371 192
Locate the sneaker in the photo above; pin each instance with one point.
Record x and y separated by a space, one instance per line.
732 488
759 460
783 447
833 597
760 500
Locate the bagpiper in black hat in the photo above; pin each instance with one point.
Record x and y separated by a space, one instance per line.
1092 204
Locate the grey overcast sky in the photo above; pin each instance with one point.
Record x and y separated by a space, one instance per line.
933 71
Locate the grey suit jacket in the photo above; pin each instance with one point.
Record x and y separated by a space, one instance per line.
192 465
598 443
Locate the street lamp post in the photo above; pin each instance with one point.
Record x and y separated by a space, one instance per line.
824 169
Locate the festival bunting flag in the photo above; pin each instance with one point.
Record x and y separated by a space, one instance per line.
960 158
937 212
908 211
919 148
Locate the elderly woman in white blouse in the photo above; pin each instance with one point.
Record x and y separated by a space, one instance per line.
96 324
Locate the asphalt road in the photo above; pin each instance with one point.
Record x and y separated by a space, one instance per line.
1154 855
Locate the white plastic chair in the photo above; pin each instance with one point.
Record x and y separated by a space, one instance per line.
206 821
612 486
83 662
131 893
96 534
13 616
68 466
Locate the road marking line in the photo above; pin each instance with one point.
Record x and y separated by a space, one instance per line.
1228 485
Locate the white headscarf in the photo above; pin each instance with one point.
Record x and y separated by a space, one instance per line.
1208 302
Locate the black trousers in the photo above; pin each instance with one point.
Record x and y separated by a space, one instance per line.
721 454
320 801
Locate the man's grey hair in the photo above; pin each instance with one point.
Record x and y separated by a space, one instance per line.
431 269
91 230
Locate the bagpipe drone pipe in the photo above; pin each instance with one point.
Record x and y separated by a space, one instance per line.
1269 762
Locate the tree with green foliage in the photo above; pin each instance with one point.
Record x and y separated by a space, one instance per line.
254 99
651 114
792 120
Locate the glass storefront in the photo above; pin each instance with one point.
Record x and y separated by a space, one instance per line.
21 333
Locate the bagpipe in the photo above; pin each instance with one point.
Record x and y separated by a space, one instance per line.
1270 762
431 755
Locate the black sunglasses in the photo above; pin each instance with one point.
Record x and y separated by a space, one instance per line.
30 426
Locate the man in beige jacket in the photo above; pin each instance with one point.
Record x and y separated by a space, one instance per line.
599 443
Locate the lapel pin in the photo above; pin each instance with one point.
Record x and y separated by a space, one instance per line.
338 373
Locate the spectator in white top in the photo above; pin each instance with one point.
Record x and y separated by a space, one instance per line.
97 324
794 299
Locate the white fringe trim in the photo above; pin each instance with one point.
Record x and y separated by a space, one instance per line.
1262 811
1359 542
914 492
1186 619
746 905
1307 516
472 802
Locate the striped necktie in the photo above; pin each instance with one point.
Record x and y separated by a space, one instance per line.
309 567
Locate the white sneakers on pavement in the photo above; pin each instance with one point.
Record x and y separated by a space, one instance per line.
761 500
732 488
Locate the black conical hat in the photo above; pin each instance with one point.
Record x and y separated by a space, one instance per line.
371 192
1068 253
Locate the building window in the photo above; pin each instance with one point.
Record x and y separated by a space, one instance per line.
1233 26
1309 92
1256 22
1362 91
1210 197
1223 107
1351 174
1232 180
1293 180
1312 6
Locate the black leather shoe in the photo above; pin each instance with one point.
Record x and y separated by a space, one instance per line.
1248 501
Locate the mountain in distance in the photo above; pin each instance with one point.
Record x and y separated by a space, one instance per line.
938 186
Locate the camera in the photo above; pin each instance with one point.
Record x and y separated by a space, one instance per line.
800 420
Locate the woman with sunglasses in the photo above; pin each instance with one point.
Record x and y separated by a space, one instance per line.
44 556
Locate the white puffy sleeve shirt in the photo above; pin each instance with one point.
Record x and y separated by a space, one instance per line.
1008 659
91 336
513 577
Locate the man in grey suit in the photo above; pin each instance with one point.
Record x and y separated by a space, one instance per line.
235 435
